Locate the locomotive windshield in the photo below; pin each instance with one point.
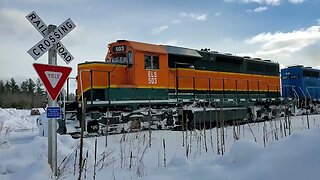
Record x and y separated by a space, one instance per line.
119 56
119 59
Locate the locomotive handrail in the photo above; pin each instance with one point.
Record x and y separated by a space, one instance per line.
87 70
308 93
250 80
310 88
296 95
305 97
90 70
260 82
176 81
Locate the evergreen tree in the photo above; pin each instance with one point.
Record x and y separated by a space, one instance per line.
31 86
31 94
24 86
1 87
7 88
39 87
13 86
1 94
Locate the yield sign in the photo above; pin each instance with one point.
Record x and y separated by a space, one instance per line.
53 77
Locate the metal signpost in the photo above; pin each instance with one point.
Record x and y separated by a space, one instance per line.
52 76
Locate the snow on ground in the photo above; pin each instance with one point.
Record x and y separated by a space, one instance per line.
129 156
16 120
295 157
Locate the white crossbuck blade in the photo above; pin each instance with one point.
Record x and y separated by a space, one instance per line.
51 39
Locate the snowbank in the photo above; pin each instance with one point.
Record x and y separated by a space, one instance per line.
25 160
295 157
17 120
24 153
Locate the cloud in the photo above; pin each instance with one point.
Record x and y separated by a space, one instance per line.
296 1
14 21
288 46
198 17
53 2
267 2
176 21
257 10
172 42
217 14
201 17
158 30
260 9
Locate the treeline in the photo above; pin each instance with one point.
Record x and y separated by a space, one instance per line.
28 94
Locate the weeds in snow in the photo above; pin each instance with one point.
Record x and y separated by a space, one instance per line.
133 148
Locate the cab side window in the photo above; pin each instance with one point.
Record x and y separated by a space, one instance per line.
129 59
151 62
155 62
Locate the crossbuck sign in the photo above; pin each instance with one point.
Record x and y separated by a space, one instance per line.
51 75
49 40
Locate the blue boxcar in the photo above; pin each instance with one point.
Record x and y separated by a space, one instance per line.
300 82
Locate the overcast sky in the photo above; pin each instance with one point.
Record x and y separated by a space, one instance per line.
285 31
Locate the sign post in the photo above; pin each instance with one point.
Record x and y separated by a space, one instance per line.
52 76
52 125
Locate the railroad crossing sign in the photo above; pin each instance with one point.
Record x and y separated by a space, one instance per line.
53 77
49 40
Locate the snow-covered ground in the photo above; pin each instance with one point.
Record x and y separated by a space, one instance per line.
262 151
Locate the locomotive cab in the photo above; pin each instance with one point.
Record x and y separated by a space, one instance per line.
120 55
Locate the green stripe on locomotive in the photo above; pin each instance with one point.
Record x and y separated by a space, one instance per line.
121 94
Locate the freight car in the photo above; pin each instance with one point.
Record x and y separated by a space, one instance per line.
302 83
136 75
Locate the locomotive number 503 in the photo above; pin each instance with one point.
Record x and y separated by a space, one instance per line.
119 48
152 77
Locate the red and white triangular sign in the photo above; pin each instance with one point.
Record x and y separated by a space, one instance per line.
53 77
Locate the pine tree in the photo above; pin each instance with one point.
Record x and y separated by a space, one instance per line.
31 86
7 88
13 86
39 87
1 93
24 86
1 87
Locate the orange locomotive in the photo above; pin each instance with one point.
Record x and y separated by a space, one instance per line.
136 73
